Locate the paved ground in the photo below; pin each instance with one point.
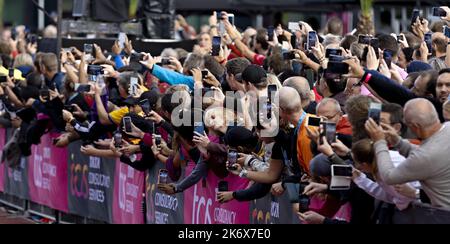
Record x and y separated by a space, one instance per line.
13 218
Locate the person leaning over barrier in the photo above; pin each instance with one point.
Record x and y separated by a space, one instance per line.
427 163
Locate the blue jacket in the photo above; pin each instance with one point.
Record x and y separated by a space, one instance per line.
172 78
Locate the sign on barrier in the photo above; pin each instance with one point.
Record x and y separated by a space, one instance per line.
48 174
162 208
128 190
201 207
273 210
90 183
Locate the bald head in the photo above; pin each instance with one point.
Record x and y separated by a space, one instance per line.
422 113
301 85
290 100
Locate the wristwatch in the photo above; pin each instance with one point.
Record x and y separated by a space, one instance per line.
243 174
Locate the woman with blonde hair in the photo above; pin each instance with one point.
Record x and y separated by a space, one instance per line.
24 63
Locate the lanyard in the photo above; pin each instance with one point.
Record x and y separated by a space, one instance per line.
300 122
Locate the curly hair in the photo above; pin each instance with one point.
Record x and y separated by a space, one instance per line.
357 108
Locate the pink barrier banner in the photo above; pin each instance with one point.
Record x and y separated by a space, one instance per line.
201 207
2 166
127 197
47 174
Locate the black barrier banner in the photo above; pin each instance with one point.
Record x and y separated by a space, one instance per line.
162 208
90 185
273 210
16 179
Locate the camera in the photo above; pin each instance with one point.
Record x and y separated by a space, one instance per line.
45 94
205 74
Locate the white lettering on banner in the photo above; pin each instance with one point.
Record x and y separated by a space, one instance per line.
130 207
49 169
97 179
127 189
275 210
196 209
122 195
166 201
96 195
17 176
161 218
47 153
224 216
130 172
37 171
94 162
132 190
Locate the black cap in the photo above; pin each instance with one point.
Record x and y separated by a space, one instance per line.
151 96
240 136
26 115
254 74
131 101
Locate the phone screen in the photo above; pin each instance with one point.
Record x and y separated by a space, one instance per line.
429 42
415 15
118 139
3 79
439 12
199 128
11 73
270 33
163 177
342 170
158 140
364 39
88 48
336 52
447 31
145 105
312 39
387 56
314 122
122 40
303 200
375 112
231 18
127 124
205 74
134 82
375 43
223 186
330 132
337 68
216 42
45 94
288 56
